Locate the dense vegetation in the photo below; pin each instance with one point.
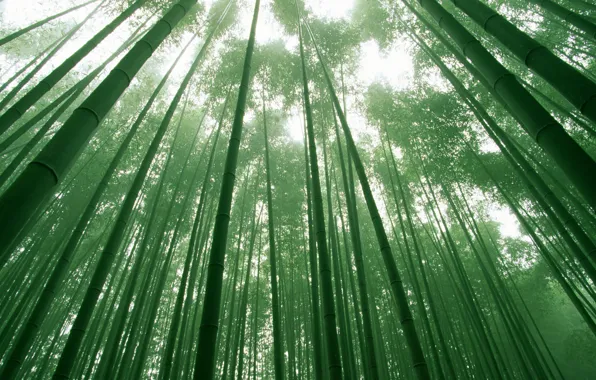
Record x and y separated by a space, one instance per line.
293 189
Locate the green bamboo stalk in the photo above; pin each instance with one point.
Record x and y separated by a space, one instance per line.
166 365
525 368
205 219
399 294
232 294
536 185
503 298
575 87
77 91
356 307
37 24
84 82
314 278
9 140
105 309
18 109
537 122
408 251
244 301
256 314
278 344
53 284
15 90
465 291
329 318
41 177
197 243
544 252
578 120
31 144
367 345
205 355
28 65
343 332
115 239
107 362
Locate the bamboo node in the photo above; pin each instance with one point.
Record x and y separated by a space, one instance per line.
14 108
169 25
181 6
584 104
128 79
97 118
484 24
532 50
48 167
540 130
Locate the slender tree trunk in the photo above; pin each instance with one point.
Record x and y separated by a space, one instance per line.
537 122
115 239
368 345
545 254
29 28
82 84
22 105
205 356
575 87
41 177
256 314
397 288
278 346
318 354
77 91
15 90
29 64
53 283
343 332
244 301
232 315
540 190
329 318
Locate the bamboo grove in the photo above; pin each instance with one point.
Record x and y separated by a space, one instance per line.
298 189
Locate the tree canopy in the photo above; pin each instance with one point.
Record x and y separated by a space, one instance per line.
297 189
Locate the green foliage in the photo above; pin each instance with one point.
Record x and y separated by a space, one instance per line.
491 242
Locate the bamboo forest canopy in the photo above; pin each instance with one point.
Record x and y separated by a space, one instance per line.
297 189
